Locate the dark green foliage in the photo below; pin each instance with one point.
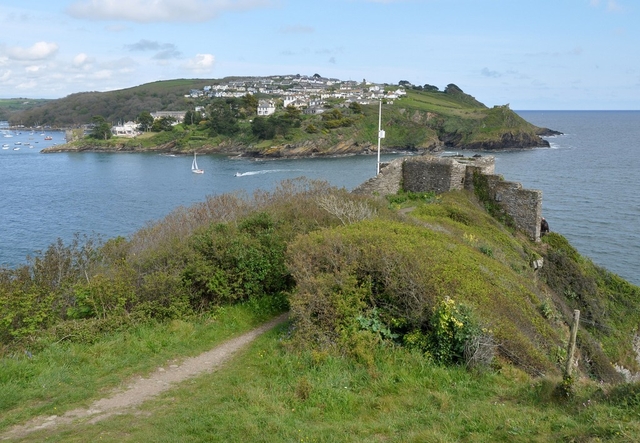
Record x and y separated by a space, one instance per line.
145 120
126 104
222 115
192 117
276 124
237 263
335 119
604 301
37 295
101 128
355 107
262 128
163 124
566 276
249 104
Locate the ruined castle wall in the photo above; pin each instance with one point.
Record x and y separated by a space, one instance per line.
425 174
442 174
523 205
388 182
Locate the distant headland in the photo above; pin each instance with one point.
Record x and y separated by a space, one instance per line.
282 116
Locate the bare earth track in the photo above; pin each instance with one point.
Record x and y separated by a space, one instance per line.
142 389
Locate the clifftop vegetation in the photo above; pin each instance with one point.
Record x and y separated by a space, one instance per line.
345 264
416 279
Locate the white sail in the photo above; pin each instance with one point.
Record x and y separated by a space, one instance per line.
194 166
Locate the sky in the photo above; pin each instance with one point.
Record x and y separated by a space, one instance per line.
531 55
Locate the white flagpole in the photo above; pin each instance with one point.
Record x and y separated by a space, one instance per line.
380 134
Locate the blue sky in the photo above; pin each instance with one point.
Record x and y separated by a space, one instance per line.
543 54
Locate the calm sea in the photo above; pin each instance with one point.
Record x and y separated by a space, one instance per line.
588 179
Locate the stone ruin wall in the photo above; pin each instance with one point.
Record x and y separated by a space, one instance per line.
437 174
388 182
523 205
442 174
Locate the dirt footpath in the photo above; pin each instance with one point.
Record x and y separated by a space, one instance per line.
142 389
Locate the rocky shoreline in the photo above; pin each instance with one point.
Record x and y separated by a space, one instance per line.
317 148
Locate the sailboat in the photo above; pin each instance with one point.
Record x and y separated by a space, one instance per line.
194 166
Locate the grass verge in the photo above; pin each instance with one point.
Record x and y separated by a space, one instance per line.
65 375
268 394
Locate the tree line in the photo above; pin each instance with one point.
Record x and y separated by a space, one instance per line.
231 117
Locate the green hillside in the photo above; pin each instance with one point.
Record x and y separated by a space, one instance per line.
420 120
13 106
413 318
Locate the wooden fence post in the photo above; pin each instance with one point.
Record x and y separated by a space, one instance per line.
572 343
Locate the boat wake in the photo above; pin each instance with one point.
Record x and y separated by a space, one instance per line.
265 171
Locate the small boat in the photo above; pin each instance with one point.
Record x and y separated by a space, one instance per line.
48 137
237 174
16 149
194 166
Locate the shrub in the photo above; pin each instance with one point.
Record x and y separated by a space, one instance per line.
453 327
237 263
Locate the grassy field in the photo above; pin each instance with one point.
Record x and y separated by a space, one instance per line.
66 375
268 394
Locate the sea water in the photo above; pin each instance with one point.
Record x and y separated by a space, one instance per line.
588 179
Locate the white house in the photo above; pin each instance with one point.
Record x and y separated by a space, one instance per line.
178 115
128 129
266 107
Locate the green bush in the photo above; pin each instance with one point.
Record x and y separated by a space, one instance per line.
237 263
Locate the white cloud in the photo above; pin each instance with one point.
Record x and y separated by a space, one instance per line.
201 62
150 11
39 51
33 69
32 84
82 61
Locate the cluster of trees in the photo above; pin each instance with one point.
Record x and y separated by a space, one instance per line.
267 128
427 87
229 117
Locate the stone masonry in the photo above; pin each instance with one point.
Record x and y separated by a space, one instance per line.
441 174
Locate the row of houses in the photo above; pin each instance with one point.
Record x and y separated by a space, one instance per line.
131 129
310 94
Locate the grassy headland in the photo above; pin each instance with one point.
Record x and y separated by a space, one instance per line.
421 120
414 318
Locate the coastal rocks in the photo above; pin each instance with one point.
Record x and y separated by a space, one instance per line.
312 148
508 141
